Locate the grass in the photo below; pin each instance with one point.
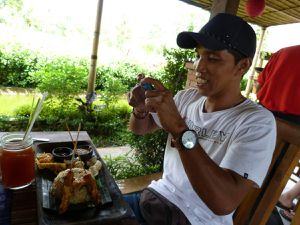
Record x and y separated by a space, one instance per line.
10 103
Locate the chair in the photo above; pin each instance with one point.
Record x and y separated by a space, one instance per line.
296 173
259 203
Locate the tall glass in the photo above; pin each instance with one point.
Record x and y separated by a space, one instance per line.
0 162
17 161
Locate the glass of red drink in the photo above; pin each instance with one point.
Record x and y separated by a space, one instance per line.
17 161
0 162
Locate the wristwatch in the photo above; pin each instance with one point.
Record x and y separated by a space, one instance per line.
187 139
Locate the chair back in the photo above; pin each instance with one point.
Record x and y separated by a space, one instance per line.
258 205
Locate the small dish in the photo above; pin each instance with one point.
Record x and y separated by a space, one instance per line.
84 152
62 153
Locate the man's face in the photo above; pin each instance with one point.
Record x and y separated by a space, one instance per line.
216 72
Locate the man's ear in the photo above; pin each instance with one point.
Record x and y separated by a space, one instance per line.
244 65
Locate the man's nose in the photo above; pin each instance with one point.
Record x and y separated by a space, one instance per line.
199 65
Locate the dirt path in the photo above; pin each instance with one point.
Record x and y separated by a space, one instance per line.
16 91
113 151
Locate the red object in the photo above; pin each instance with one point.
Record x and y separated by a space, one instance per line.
280 82
17 167
255 7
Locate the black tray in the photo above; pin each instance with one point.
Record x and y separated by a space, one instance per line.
112 207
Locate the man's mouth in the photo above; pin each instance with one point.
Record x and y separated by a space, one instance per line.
201 81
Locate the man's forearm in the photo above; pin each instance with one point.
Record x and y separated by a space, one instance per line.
220 189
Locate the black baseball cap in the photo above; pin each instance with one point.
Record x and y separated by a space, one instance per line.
223 31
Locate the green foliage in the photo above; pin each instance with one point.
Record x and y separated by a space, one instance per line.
23 111
265 55
15 66
8 124
243 84
122 167
63 78
113 88
118 78
149 148
125 72
107 126
175 71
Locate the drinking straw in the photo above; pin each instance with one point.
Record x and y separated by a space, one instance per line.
34 115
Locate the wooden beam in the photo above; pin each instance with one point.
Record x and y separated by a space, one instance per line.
274 10
224 6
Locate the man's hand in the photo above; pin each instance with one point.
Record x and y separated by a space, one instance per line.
160 100
136 96
140 122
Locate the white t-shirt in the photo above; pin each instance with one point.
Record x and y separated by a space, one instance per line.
241 139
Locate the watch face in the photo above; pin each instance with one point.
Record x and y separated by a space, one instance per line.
189 139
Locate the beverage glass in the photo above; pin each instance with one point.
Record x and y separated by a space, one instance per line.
0 163
17 161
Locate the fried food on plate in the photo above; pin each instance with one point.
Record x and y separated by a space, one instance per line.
55 167
74 186
45 161
94 169
45 157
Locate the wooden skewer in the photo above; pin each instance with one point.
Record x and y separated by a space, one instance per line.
70 135
78 131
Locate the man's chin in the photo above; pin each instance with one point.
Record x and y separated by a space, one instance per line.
203 92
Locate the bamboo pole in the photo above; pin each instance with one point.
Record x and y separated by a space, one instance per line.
251 77
91 94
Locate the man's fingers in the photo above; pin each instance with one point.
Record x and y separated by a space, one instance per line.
155 103
140 76
155 93
156 83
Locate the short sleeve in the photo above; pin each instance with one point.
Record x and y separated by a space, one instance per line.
251 150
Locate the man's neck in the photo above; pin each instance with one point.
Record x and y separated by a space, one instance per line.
218 104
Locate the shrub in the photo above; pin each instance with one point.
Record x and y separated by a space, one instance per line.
175 71
149 148
113 88
122 167
15 67
125 72
23 111
63 78
9 124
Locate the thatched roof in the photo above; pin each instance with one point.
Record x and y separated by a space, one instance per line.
276 12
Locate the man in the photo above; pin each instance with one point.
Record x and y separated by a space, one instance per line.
278 84
220 144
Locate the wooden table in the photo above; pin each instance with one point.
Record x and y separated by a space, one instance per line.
24 209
